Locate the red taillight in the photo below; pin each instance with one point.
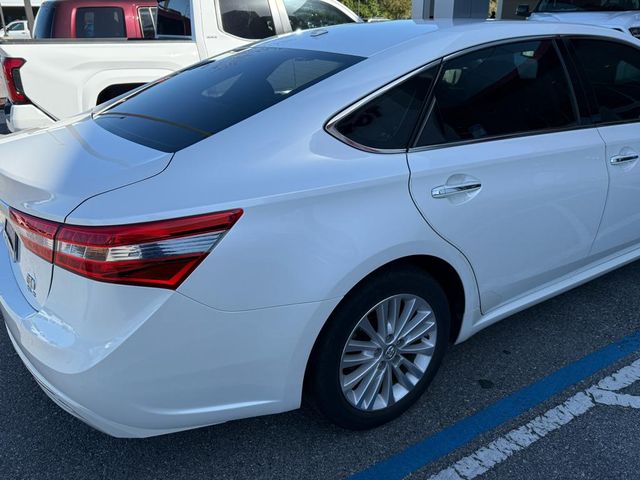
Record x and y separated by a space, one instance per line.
154 254
36 235
13 81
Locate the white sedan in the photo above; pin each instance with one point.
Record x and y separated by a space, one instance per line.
318 215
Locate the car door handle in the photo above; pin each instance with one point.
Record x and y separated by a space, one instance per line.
618 159
444 191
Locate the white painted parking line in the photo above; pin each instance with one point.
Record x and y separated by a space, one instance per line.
605 392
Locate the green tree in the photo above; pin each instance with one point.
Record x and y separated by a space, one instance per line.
394 9
391 9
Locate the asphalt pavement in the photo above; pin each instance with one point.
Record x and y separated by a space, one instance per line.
40 441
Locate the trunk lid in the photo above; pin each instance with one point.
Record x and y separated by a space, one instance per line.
48 173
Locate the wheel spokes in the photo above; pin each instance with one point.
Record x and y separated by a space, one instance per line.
352 379
388 352
366 327
420 329
424 347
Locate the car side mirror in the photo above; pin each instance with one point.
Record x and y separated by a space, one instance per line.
523 10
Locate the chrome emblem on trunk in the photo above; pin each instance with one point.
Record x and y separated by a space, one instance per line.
31 284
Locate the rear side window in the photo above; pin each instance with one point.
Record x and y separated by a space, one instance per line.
251 19
211 96
147 17
174 18
502 90
43 27
613 70
100 22
306 14
387 121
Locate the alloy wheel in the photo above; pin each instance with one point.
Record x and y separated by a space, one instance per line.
388 352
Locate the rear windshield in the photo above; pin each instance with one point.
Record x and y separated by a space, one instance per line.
211 96
43 28
100 22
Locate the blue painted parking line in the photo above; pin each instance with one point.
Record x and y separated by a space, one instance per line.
459 434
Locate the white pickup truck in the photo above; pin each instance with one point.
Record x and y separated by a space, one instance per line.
622 15
51 79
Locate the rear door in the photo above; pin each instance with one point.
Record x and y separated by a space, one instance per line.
611 71
505 170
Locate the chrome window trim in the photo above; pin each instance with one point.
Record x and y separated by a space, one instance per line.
330 125
497 138
570 81
497 43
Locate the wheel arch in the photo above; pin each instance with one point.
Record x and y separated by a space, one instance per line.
115 90
441 270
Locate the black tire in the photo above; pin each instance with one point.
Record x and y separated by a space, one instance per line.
323 388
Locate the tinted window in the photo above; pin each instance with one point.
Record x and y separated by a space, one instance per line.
100 22
613 70
16 28
250 19
211 96
387 121
43 27
305 14
148 21
502 90
174 18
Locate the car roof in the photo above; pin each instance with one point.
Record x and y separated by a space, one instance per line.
369 39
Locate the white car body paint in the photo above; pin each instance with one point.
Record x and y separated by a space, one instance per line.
64 78
234 339
621 21
560 185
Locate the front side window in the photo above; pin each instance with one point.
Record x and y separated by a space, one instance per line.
174 18
306 14
502 90
613 70
216 94
18 27
388 120
250 19
100 22
587 5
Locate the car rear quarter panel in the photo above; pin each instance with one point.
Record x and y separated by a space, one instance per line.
319 215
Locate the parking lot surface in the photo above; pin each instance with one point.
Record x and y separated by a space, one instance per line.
40 441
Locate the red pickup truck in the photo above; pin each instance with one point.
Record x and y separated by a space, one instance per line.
96 19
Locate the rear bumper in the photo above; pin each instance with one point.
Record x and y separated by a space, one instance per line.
77 410
182 365
25 117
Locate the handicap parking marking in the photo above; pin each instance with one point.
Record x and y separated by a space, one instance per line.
606 392
465 431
